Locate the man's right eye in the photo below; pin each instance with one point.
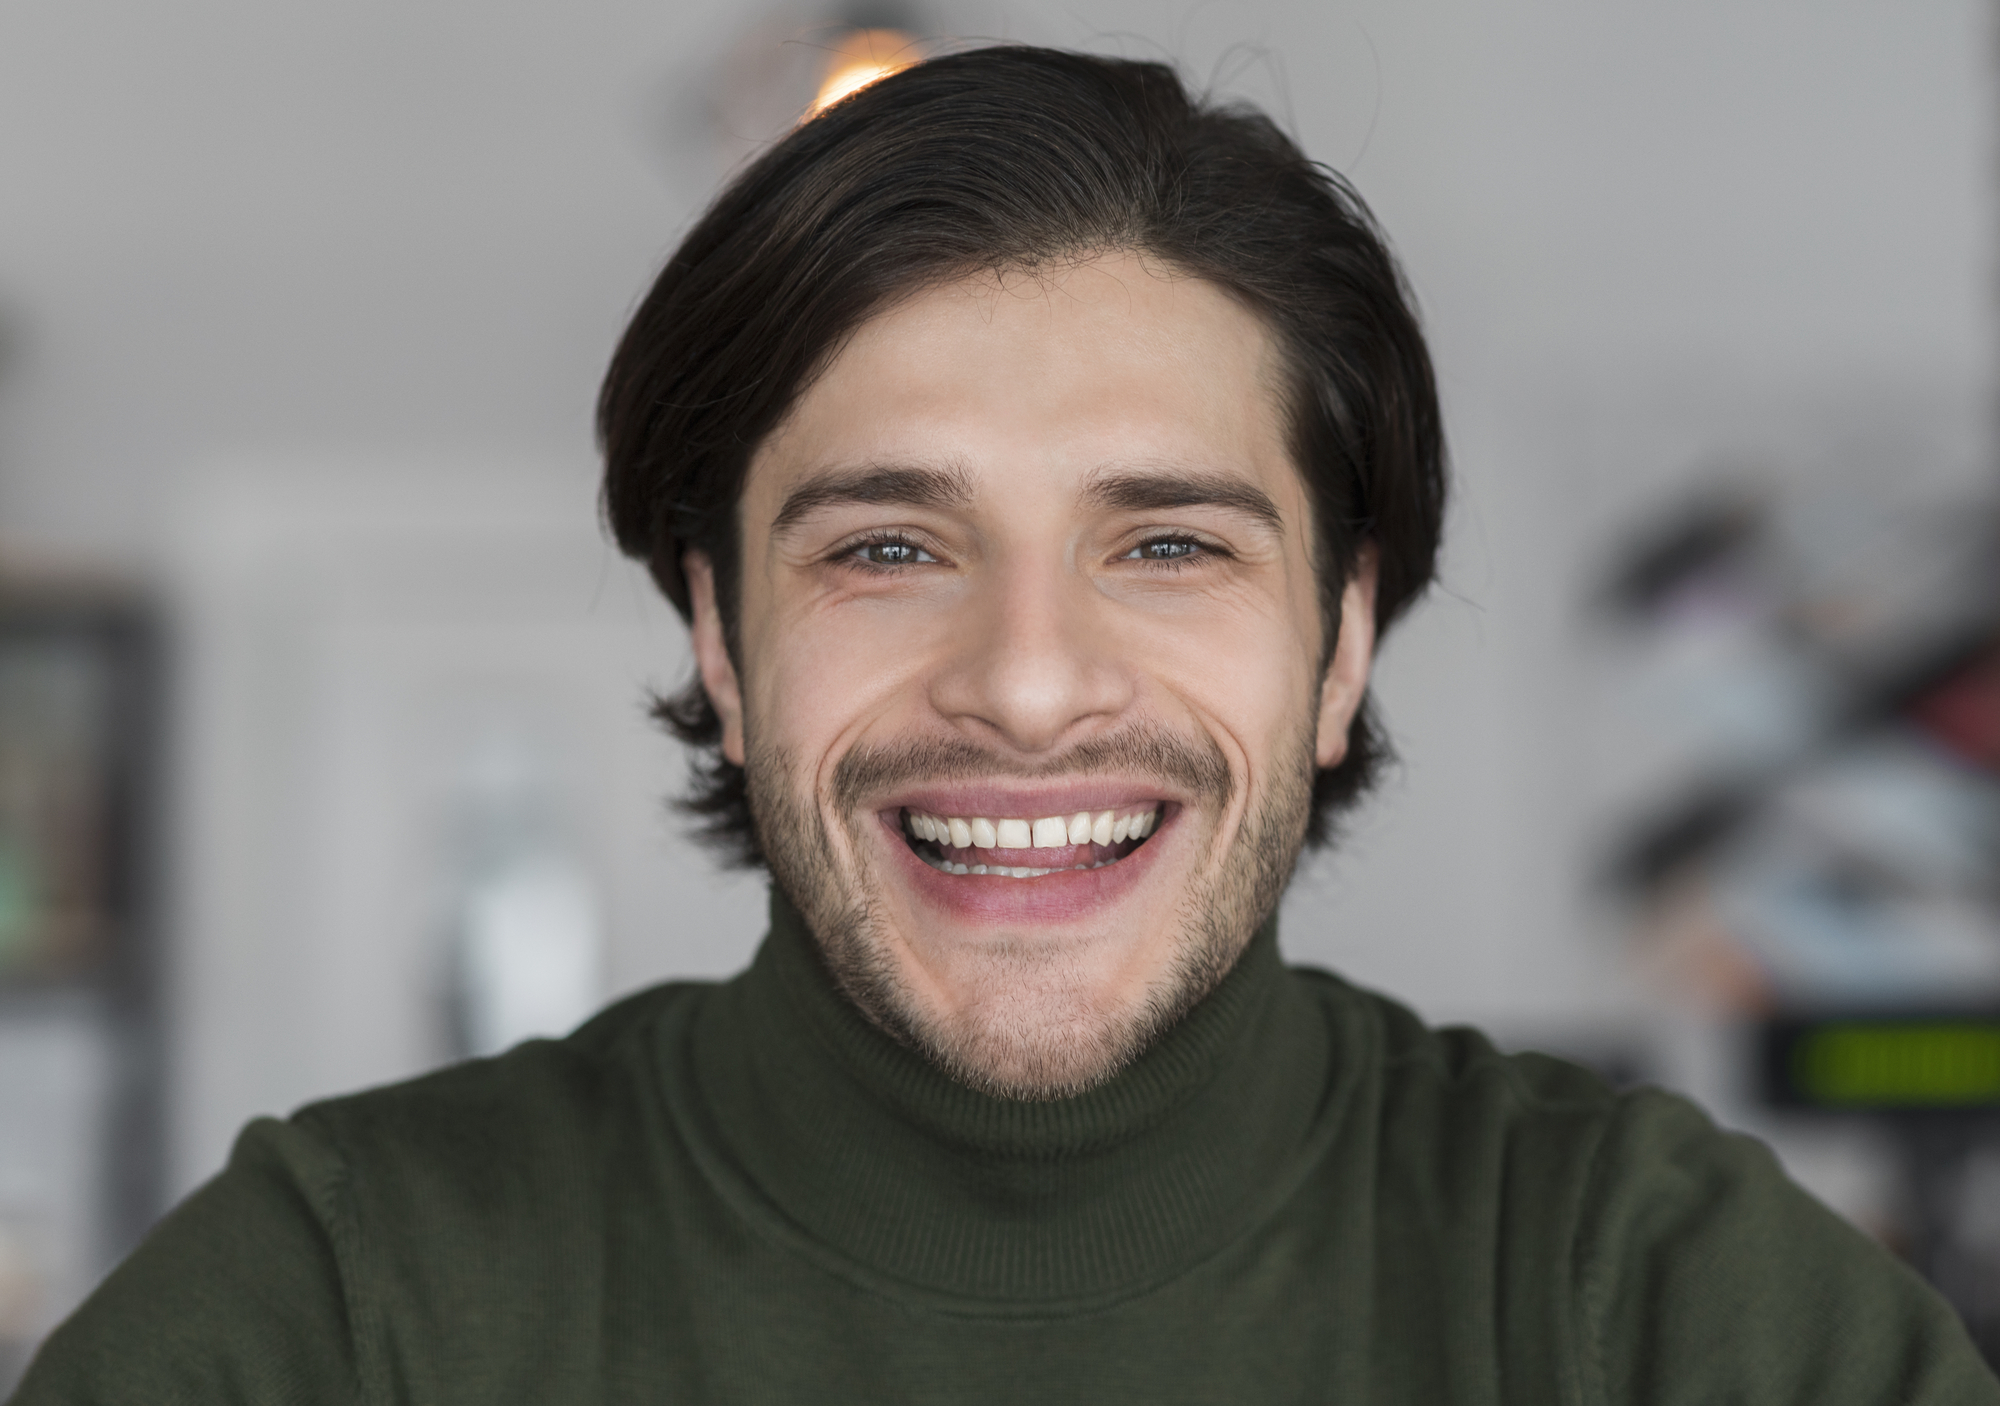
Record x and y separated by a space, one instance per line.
892 552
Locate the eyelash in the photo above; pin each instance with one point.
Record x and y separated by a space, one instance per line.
850 553
1179 562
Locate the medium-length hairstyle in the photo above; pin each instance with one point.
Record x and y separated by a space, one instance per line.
1016 158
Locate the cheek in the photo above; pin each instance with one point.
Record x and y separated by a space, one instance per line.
1247 671
828 671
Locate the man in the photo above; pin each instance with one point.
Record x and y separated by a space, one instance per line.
1037 456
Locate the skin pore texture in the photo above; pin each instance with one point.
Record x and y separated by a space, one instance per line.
1032 548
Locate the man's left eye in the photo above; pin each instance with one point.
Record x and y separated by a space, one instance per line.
1164 549
893 554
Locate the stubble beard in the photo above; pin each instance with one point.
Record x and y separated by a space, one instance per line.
1033 1029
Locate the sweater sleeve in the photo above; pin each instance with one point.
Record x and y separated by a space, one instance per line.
1706 1275
235 1297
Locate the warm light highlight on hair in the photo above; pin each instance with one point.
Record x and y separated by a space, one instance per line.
863 57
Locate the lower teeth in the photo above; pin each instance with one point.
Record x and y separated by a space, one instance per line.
1001 870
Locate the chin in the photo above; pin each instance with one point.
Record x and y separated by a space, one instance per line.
1033 1031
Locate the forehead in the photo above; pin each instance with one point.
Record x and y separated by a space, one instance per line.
1042 378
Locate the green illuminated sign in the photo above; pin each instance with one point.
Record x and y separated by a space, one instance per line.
1928 1064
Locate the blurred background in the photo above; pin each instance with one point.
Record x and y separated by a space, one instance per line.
322 748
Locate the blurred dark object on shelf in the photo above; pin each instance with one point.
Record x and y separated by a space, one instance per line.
1824 703
81 683
1809 833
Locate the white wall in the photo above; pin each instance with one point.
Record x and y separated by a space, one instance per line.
265 260
356 635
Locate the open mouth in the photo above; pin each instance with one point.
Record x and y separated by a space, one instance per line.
1029 849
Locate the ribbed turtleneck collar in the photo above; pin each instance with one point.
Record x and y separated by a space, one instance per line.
868 1152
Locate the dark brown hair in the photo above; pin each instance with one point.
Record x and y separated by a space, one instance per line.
1000 158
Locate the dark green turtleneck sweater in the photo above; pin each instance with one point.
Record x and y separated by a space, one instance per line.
744 1193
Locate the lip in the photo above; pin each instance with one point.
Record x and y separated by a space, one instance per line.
1051 900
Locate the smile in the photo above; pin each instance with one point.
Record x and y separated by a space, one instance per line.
970 845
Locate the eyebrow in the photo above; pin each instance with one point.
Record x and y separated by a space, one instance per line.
905 485
1155 489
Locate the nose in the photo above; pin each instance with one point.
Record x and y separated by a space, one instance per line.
1037 665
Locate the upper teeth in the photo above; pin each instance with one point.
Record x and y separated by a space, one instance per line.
1104 827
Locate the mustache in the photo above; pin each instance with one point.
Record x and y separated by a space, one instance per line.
1199 768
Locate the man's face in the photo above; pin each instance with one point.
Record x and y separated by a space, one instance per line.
1027 587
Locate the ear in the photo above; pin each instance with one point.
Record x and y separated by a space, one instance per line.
1346 681
711 654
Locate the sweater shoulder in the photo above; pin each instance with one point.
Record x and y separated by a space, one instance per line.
1459 1061
473 1202
1675 1259
533 1089
511 1154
